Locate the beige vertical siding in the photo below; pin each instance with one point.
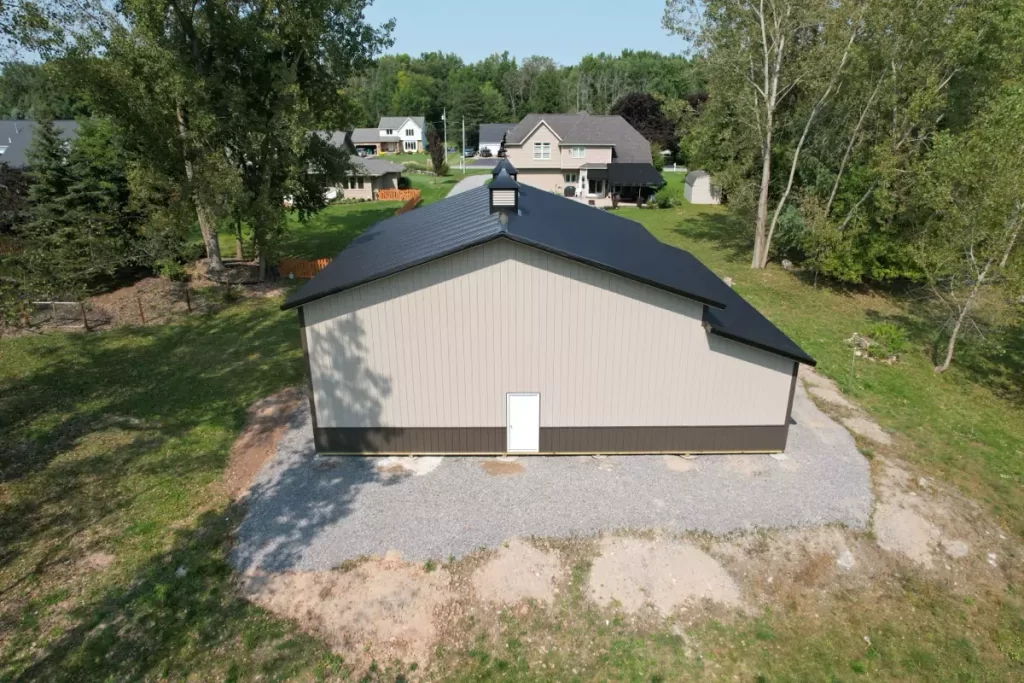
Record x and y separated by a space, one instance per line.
366 192
593 155
440 345
522 156
551 181
388 181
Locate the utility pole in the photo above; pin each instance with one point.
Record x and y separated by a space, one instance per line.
444 120
463 155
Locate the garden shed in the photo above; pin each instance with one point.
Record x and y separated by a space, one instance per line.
699 189
507 319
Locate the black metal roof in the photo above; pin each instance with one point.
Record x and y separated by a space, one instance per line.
557 225
634 175
504 165
503 181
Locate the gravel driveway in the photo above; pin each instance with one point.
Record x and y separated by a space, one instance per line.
312 513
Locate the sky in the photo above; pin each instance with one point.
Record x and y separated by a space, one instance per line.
561 30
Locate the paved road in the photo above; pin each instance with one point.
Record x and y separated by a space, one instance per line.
468 183
308 512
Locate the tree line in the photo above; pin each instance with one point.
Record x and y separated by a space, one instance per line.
875 141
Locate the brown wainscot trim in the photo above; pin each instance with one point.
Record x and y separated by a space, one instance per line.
409 440
470 440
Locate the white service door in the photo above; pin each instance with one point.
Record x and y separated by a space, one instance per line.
523 415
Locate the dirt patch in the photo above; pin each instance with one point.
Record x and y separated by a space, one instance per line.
901 530
680 463
750 465
518 571
498 468
96 561
268 418
382 609
401 465
855 419
664 574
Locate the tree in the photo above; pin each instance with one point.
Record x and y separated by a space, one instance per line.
643 112
438 154
973 188
77 227
13 197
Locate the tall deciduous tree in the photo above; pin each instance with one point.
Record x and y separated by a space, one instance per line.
973 188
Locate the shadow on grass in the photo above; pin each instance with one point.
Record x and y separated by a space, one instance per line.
726 232
330 231
995 362
179 624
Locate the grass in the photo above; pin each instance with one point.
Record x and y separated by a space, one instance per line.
111 446
965 426
328 232
114 529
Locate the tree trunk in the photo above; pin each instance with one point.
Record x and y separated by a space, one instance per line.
238 238
760 248
964 310
206 223
263 267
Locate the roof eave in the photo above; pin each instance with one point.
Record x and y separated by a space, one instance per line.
806 360
289 304
608 269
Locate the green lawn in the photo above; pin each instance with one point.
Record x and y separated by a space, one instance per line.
112 445
966 426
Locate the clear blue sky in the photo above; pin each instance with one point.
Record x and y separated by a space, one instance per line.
564 31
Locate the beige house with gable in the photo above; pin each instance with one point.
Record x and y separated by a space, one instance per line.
584 156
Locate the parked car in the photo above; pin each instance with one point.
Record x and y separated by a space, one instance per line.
469 152
486 153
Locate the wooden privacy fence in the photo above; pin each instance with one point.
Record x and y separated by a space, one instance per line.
303 269
397 195
300 268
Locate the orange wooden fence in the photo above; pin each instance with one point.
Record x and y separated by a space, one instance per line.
409 205
397 195
301 268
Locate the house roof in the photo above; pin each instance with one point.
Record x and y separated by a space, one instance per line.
16 136
589 129
635 175
694 175
374 166
364 135
394 122
491 133
504 165
554 224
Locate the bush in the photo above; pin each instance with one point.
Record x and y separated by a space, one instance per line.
657 158
665 198
404 183
887 340
416 166
170 270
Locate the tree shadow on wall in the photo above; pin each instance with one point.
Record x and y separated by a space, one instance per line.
299 495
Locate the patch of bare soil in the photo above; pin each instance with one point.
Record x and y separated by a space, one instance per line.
518 571
404 465
680 463
853 418
931 525
382 609
96 561
664 574
497 468
267 419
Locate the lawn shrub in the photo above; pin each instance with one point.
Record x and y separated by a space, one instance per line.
888 339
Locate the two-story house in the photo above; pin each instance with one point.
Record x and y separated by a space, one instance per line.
583 155
392 135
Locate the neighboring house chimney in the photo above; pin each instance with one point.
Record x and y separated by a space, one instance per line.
504 194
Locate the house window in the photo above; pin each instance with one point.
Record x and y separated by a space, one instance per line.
569 178
359 181
410 145
409 132
542 150
579 152
389 131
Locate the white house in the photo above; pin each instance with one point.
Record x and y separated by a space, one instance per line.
409 132
699 189
491 135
